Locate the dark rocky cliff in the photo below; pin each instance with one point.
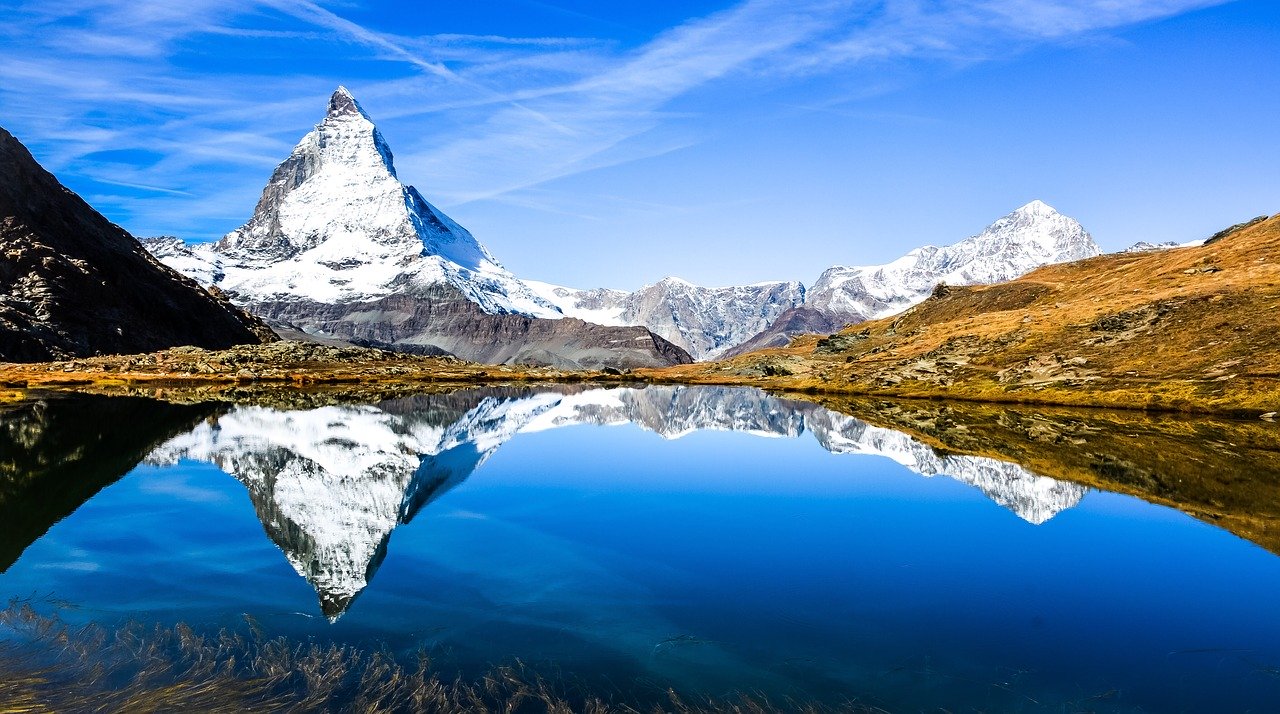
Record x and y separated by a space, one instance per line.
73 284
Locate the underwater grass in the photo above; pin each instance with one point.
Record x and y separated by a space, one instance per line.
48 665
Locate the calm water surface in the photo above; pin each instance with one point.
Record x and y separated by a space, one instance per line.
710 540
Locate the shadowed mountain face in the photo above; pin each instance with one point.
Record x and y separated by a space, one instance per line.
330 484
56 453
73 284
802 320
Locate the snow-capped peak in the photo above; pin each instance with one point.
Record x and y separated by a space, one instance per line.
342 103
1032 236
335 226
1036 206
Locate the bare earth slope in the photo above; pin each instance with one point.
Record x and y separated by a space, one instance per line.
74 284
1190 328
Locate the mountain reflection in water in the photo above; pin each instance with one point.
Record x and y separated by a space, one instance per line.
330 484
552 527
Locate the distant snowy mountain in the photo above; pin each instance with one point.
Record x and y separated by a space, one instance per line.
720 322
1030 237
331 484
704 321
337 247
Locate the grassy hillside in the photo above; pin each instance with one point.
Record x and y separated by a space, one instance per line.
1189 329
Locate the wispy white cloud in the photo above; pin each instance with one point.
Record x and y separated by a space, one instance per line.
473 117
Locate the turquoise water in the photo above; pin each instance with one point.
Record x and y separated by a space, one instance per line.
706 539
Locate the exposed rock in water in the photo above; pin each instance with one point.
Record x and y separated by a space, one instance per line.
73 284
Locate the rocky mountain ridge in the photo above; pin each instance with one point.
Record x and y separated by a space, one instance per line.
73 284
724 322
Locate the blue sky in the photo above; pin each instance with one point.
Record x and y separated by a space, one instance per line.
593 143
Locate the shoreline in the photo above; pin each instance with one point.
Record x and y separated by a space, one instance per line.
18 380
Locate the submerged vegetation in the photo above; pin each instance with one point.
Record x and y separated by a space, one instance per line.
49 665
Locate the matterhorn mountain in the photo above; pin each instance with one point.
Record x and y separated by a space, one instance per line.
334 225
331 484
722 322
338 247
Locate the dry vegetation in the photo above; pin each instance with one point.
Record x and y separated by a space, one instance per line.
1190 329
284 365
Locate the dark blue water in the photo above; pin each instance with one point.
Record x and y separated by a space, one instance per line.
709 540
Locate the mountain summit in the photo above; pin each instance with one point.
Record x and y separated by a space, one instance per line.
343 104
338 247
335 225
1029 237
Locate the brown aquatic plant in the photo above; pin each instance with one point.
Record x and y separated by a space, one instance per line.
47 664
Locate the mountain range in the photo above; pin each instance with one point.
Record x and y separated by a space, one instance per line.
339 248
722 322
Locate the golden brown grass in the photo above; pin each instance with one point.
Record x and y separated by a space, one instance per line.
272 367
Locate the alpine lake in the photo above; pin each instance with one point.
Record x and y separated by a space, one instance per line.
635 548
